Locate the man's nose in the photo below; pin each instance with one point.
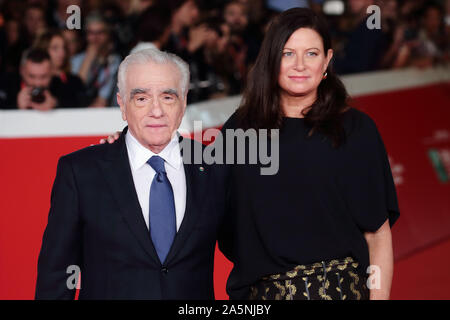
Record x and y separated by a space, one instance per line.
43 83
37 83
156 109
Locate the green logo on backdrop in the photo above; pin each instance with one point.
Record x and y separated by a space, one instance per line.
438 165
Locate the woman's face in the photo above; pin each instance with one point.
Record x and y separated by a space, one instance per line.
97 34
57 51
303 63
73 43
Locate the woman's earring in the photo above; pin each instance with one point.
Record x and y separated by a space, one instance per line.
325 75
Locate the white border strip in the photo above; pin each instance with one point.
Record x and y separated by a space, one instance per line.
386 81
213 113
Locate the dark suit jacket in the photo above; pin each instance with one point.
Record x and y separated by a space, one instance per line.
96 222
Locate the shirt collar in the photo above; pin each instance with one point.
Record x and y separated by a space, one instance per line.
139 155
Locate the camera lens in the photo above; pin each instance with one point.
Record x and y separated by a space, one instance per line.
37 95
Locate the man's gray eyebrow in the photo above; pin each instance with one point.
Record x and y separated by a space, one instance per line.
171 91
136 91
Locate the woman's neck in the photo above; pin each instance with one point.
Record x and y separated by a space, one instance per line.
57 72
293 106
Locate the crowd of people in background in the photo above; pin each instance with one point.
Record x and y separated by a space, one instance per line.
45 65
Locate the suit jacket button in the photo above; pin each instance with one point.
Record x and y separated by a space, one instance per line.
164 270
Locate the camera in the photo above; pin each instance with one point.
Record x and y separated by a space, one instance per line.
37 95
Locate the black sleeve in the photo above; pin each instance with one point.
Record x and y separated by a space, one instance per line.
222 181
225 234
61 244
366 179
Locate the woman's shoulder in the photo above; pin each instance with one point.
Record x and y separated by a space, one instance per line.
360 128
232 122
355 120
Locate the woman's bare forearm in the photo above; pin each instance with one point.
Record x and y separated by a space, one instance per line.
381 260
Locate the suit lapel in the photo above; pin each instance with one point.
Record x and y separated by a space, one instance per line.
117 172
195 187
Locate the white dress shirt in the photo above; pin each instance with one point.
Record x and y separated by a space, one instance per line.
143 174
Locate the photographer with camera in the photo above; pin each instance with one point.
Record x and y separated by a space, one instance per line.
37 88
36 72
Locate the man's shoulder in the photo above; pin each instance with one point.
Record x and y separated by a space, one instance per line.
88 154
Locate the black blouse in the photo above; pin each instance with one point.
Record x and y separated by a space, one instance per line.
317 207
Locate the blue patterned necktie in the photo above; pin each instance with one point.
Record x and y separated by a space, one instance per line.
162 219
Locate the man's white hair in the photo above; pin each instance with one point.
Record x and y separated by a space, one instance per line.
152 56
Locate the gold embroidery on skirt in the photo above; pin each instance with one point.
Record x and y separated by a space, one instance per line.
352 285
281 288
286 286
292 274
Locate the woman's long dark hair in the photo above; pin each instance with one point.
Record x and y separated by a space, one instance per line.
260 107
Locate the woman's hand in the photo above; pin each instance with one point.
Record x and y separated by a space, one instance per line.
110 139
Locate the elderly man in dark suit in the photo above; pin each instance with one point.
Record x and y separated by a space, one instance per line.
137 217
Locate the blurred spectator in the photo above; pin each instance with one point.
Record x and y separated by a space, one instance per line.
35 88
210 65
59 15
188 39
122 26
73 40
363 48
97 66
153 28
54 43
394 27
429 45
34 22
243 43
183 40
12 45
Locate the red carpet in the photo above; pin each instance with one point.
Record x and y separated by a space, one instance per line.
423 275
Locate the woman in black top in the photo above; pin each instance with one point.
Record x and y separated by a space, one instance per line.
311 230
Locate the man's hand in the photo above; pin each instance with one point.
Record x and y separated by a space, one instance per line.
197 37
110 139
24 98
49 103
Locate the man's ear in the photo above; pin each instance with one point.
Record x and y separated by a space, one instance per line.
122 105
185 100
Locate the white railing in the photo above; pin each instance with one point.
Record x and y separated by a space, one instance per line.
213 113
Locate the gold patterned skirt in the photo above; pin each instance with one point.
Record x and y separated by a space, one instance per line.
326 280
